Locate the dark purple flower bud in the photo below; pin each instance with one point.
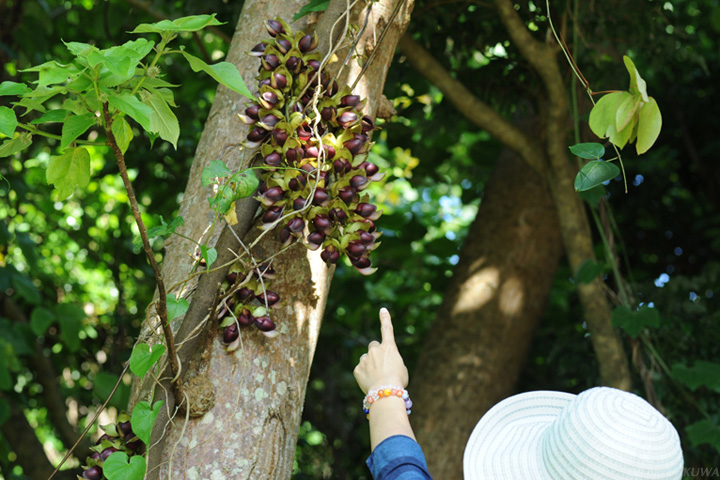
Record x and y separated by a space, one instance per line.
283 45
270 62
332 89
93 473
370 168
104 436
258 50
307 43
322 223
350 100
321 196
365 209
347 194
340 165
304 133
356 144
330 255
262 188
274 194
294 154
362 262
299 203
95 455
264 324
358 181
231 333
231 277
338 215
268 100
367 238
271 297
367 124
372 225
314 64
272 214
266 271
274 159
280 136
356 248
329 151
270 119
274 27
245 294
257 134
265 82
346 119
107 452
296 225
297 183
222 310
245 318
328 114
253 112
125 427
294 64
311 152
316 238
308 167
278 80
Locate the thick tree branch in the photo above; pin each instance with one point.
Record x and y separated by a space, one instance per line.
474 109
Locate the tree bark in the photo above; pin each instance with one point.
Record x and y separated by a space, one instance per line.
486 322
253 397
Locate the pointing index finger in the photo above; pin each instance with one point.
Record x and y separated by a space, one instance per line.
386 326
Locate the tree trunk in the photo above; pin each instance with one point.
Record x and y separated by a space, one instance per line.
489 313
250 400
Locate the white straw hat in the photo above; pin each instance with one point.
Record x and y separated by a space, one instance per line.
601 434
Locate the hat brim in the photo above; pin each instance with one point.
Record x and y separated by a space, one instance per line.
505 443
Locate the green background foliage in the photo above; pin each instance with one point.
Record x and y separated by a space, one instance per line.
82 285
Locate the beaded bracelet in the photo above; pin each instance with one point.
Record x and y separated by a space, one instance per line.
386 391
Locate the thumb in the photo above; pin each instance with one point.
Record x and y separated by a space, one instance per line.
386 327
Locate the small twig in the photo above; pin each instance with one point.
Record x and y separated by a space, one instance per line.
92 422
162 300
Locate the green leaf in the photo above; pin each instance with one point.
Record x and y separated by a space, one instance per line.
8 121
80 49
588 271
40 320
704 431
75 126
116 467
602 115
594 173
209 254
51 116
589 151
144 357
69 171
184 24
312 6
216 168
130 105
224 73
633 322
70 317
17 144
103 385
123 133
161 230
637 84
626 111
246 182
176 306
649 125
702 374
143 419
25 288
13 88
162 120
52 72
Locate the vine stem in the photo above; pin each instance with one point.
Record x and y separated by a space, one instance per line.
162 294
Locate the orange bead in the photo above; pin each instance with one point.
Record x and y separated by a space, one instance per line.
388 392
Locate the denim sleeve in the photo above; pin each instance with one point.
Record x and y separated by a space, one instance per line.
398 458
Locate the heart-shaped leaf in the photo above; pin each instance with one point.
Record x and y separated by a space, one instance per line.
116 467
633 322
144 357
595 173
143 419
176 306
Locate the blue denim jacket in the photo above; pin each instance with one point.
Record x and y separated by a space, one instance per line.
398 458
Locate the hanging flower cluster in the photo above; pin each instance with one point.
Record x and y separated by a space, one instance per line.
118 437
